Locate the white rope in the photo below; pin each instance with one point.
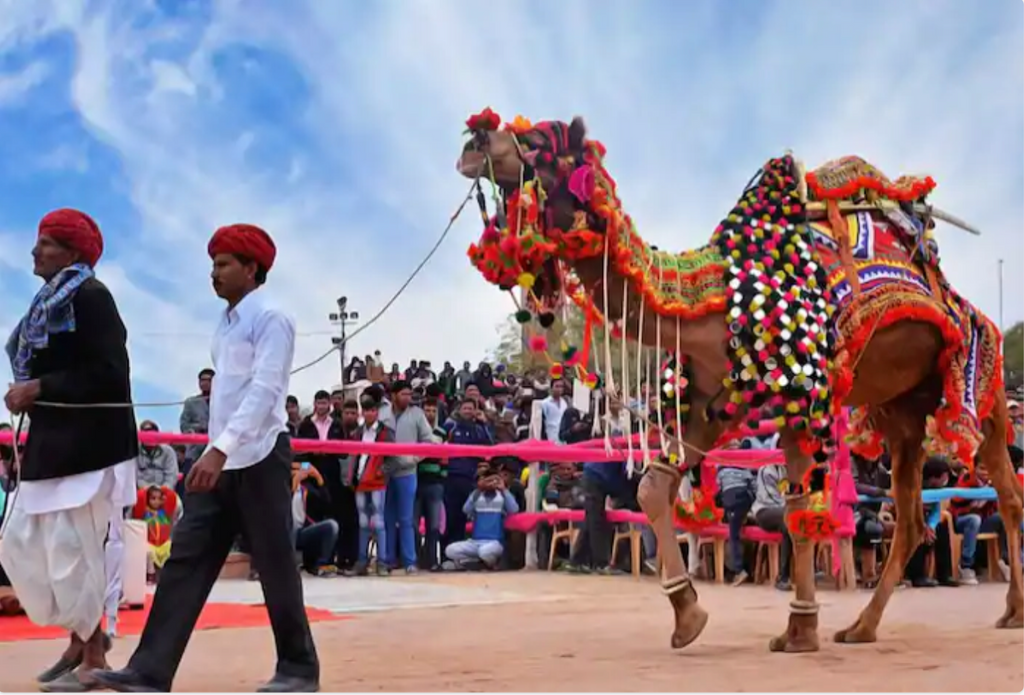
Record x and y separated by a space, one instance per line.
609 376
642 352
657 349
630 464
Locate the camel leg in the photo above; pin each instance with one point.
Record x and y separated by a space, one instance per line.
657 495
801 633
907 460
995 459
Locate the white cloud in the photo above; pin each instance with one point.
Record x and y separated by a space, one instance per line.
688 104
15 85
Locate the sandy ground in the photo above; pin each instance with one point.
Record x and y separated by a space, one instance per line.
563 633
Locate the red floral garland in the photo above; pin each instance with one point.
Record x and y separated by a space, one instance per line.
699 513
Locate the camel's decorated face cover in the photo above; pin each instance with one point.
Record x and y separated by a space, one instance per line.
552 187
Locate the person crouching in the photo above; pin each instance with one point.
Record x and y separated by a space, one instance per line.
487 508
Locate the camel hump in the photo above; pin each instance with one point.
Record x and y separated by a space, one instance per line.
852 178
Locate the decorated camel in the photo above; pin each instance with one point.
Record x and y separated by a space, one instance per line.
819 290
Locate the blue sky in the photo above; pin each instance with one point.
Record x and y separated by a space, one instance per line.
336 125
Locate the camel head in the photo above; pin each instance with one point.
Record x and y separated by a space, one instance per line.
551 181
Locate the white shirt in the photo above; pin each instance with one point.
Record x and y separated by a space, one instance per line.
253 348
552 411
117 483
369 437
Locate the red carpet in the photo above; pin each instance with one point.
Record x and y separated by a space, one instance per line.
214 616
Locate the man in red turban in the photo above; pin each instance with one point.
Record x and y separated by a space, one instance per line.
76 231
236 485
245 240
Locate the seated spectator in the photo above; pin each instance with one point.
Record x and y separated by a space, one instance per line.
370 486
316 533
770 514
736 489
871 480
974 517
487 508
936 534
159 508
156 465
468 426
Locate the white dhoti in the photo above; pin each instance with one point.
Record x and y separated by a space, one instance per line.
53 548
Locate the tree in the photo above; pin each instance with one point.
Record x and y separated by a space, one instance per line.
1013 356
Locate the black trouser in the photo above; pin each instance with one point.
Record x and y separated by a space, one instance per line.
342 510
595 540
774 519
457 490
256 501
869 532
943 557
736 504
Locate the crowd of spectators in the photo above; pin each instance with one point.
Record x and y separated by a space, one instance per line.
362 514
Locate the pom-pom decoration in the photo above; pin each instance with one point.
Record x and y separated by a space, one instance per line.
537 343
526 280
556 371
699 513
816 523
523 316
592 381
486 120
546 319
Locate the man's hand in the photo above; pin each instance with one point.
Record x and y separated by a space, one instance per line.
929 535
203 475
20 397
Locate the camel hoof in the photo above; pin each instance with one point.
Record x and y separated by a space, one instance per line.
690 627
856 634
1011 620
794 645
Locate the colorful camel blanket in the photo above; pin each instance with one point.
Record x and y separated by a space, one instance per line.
894 285
805 297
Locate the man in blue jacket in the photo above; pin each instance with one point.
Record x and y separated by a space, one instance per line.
467 426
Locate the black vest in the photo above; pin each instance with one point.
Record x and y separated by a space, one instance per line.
87 365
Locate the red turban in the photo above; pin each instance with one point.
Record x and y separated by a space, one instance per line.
246 240
76 230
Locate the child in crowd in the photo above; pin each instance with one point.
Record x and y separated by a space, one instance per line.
487 508
159 508
370 485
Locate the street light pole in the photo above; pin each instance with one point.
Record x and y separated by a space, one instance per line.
343 318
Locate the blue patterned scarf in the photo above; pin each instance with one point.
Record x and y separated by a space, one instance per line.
50 312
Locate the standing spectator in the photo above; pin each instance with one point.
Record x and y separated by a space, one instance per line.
737 488
355 371
446 380
599 482
431 476
316 533
552 409
337 401
294 418
487 507
770 514
320 426
936 534
463 378
468 426
370 485
195 419
411 427
374 369
348 537
156 465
